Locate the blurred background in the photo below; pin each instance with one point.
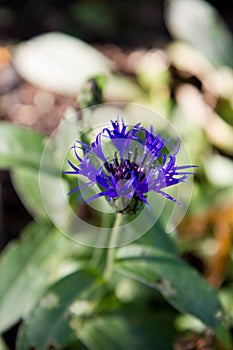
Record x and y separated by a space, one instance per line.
175 57
128 23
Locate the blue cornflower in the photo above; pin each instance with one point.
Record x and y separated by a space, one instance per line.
139 163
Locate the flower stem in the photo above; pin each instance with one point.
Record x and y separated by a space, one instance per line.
111 246
98 250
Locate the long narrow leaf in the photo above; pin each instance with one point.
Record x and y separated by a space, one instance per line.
180 284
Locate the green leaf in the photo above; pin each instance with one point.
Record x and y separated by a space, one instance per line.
128 330
122 88
21 150
158 237
59 62
19 146
23 147
3 345
27 266
26 183
52 321
180 284
198 23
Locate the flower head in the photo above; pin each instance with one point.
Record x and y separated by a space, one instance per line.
126 163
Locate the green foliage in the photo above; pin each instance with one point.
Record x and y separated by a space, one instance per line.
20 147
55 288
91 92
28 266
40 290
129 329
179 283
3 345
77 292
199 24
26 180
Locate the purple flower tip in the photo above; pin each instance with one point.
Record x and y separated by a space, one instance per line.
126 163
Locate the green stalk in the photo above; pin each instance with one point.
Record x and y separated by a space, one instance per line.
98 251
111 248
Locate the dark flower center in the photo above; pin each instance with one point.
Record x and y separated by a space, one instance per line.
124 170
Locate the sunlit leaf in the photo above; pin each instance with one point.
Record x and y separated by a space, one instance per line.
23 147
58 62
19 146
26 183
225 109
120 88
199 24
3 345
